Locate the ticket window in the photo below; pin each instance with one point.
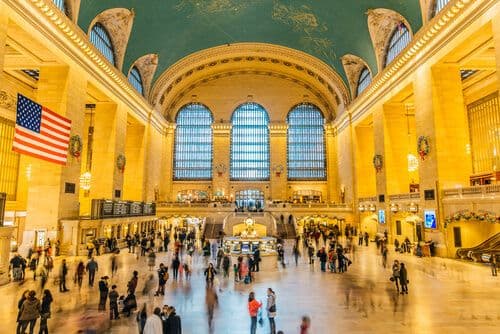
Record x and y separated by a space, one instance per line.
88 235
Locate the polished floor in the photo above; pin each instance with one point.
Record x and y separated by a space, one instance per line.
445 296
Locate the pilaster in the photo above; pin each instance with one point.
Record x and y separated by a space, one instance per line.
221 158
278 152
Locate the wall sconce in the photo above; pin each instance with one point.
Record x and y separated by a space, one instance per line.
361 208
372 208
394 207
413 207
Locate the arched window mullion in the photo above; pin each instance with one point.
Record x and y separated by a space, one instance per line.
135 80
61 4
438 6
102 41
399 40
193 143
250 143
306 156
364 80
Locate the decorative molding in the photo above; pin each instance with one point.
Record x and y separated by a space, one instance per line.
277 129
146 65
7 100
381 24
353 65
118 22
73 8
221 129
281 59
173 106
61 31
432 37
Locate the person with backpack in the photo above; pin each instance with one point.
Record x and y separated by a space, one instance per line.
162 279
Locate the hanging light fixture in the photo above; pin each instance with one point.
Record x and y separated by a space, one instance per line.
411 158
86 177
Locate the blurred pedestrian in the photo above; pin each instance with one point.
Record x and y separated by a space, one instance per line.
271 309
103 293
92 268
79 272
45 311
253 310
305 325
113 303
154 325
30 311
212 301
142 315
62 276
403 278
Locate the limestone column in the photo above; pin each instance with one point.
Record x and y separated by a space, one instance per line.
221 159
110 126
168 163
379 135
364 150
62 90
495 23
278 160
333 189
154 164
4 23
5 237
345 161
135 146
441 117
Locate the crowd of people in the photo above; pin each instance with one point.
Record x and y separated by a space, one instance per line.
334 254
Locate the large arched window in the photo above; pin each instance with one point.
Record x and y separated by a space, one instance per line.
193 143
250 143
399 40
438 6
61 4
102 41
134 77
306 143
364 80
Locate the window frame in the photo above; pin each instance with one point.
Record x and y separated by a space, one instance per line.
438 6
315 109
267 161
104 37
362 79
396 43
136 75
176 158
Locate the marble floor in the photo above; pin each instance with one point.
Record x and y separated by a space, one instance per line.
445 296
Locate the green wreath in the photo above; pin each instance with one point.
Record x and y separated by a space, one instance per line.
75 146
378 162
423 147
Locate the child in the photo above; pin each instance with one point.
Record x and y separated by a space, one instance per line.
235 270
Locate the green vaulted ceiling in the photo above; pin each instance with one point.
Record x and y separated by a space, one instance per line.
326 29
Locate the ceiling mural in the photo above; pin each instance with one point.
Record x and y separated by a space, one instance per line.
325 29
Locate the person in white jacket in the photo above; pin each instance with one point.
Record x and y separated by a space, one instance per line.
154 325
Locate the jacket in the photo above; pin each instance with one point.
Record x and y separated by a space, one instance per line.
403 275
173 324
30 309
253 307
271 301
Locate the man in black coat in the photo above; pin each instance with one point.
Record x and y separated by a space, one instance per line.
173 323
103 293
256 259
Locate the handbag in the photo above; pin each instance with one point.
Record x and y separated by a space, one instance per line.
391 278
272 309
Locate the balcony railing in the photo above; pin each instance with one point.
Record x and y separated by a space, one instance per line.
491 190
367 199
403 197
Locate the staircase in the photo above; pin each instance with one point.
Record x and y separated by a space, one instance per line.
212 230
287 231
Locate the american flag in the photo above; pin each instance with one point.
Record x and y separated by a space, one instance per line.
41 133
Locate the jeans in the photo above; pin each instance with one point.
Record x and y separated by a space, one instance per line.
323 266
253 325
272 325
25 323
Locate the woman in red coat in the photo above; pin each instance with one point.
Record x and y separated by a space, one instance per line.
253 310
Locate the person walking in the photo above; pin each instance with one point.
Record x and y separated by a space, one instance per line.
45 311
24 296
395 274
175 266
142 315
62 277
151 259
403 278
173 323
211 300
162 280
103 293
305 325
366 237
132 284
384 255
220 255
79 272
493 263
322 258
91 269
296 254
113 303
210 273
253 310
29 312
257 259
154 325
271 309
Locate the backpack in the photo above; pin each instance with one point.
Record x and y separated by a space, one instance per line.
166 276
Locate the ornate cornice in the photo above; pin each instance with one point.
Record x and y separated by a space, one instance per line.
44 16
317 71
431 37
278 129
221 129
